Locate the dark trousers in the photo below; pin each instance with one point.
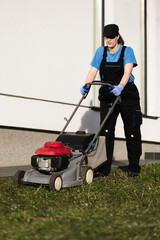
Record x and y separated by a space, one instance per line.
132 119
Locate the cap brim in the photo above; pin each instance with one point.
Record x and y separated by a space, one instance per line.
109 36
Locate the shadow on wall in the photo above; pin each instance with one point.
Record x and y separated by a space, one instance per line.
90 122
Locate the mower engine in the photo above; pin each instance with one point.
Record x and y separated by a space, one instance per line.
53 157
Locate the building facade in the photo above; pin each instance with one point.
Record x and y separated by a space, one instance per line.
45 52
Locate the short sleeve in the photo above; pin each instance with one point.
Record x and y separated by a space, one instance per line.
129 56
97 59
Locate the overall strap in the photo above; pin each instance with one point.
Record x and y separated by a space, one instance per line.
122 53
105 52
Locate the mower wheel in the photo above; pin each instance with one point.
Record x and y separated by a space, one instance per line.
87 174
17 179
55 182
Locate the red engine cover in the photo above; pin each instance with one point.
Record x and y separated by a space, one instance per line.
53 148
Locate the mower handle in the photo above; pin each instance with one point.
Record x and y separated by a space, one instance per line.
75 110
99 83
82 98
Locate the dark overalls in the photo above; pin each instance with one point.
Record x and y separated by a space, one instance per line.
129 108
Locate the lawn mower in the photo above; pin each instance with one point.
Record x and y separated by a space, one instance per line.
69 161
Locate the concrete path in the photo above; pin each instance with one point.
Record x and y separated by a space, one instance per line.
10 171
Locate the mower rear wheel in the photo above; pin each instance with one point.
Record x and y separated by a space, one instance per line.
17 179
87 174
55 183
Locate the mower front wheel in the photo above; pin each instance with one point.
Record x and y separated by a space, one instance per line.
87 174
17 179
55 183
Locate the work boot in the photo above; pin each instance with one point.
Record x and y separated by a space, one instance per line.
133 174
103 171
134 170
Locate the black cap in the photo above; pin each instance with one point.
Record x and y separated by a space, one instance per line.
111 31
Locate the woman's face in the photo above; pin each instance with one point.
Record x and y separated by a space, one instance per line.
112 42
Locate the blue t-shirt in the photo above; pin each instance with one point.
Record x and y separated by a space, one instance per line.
129 57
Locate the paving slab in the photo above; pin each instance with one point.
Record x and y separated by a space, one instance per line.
10 171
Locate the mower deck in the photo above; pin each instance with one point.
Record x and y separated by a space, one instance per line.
70 176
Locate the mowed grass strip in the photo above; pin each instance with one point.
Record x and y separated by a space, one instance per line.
114 207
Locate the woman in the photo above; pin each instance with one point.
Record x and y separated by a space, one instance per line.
115 63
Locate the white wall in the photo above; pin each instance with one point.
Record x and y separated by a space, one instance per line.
153 52
45 49
43 115
45 46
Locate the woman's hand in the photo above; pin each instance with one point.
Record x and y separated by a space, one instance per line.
117 90
85 89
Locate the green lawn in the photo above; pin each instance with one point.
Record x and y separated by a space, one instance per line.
111 208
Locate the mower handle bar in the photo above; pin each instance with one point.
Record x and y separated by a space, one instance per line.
99 83
79 103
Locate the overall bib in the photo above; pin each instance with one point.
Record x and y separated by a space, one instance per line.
129 108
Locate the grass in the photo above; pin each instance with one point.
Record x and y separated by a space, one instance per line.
111 208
